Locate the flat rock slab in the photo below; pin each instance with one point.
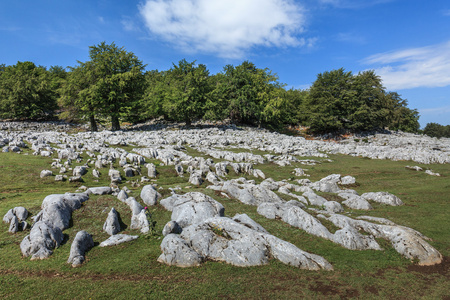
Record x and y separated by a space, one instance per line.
118 239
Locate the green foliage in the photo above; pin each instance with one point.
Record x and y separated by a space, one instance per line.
27 92
339 100
248 95
437 130
109 85
112 84
187 89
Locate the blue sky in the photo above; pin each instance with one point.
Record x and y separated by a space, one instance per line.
407 42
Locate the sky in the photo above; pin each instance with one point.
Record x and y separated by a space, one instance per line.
406 42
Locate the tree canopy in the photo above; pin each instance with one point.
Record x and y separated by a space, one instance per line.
27 91
339 100
109 85
113 85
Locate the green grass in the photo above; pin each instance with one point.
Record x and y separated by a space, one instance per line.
131 271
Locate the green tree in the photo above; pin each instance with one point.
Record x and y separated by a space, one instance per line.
186 90
437 130
247 94
339 100
369 108
401 117
328 101
113 85
77 97
27 92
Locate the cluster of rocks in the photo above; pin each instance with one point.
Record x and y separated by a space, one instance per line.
417 168
46 233
406 241
199 231
16 218
166 144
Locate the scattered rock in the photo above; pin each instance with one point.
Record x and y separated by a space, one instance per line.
118 239
46 173
112 223
82 243
150 195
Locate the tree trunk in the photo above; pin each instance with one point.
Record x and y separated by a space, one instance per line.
93 123
115 125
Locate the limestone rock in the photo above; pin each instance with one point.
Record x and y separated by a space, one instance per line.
171 227
355 201
79 171
46 173
101 190
118 239
140 222
195 207
112 224
43 238
122 196
383 197
82 243
176 252
151 170
135 206
150 195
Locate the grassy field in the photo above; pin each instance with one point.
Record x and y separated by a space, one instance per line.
131 271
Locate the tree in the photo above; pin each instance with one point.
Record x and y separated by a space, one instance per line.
401 117
186 90
328 99
339 100
437 130
77 97
27 92
246 94
109 85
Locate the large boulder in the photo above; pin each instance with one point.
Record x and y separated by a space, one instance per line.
57 208
43 238
405 241
177 252
79 171
223 239
194 207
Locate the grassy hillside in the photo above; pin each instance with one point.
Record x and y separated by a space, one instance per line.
130 270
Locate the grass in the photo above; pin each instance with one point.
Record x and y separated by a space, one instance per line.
131 270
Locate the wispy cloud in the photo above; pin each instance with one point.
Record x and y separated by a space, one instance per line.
129 24
227 28
350 37
353 4
446 12
9 28
416 67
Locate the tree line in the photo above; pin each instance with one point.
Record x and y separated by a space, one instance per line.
113 85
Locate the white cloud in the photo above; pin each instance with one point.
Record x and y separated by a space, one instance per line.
128 24
446 12
227 28
415 67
